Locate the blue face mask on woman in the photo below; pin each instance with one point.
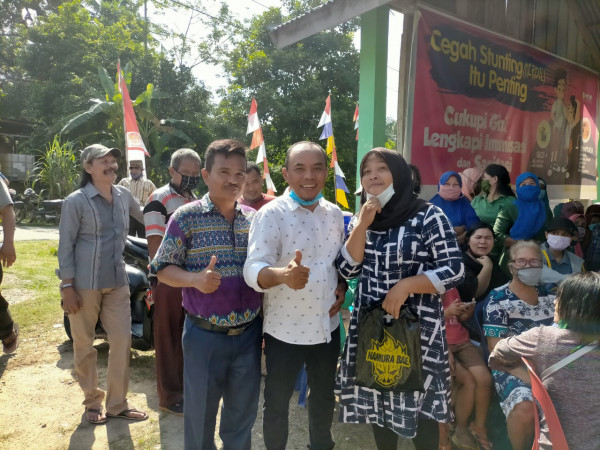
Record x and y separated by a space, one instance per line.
528 192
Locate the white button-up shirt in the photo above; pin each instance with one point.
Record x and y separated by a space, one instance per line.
279 229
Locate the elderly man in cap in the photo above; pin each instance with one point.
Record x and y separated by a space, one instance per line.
92 233
141 188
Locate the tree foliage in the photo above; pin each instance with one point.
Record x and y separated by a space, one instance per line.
55 68
290 86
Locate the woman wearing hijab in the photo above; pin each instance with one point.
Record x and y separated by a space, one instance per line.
471 182
524 219
455 205
405 253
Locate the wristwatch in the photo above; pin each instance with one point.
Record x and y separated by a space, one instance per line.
66 285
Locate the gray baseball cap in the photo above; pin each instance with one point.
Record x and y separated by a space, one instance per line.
96 151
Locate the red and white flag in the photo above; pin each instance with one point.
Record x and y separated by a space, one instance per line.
258 141
355 120
134 144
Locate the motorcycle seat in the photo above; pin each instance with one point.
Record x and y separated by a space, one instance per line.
137 279
140 242
52 203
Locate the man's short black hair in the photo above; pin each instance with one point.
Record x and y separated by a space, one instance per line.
225 147
314 145
253 166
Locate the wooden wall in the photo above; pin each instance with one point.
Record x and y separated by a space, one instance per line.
568 28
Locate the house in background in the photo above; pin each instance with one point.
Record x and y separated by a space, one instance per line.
15 167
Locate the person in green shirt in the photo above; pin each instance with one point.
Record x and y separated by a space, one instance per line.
496 193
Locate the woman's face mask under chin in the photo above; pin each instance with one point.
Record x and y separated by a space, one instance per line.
383 197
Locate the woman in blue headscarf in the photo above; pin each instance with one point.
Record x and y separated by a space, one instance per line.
455 205
524 219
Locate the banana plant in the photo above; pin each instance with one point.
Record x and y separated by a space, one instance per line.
84 124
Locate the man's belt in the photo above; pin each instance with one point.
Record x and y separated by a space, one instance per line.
229 331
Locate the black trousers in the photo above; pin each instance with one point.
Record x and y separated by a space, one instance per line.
6 322
284 362
427 437
136 228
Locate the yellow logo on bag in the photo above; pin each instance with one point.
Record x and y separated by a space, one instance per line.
388 358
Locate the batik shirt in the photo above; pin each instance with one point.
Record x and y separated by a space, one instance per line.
425 244
508 315
196 232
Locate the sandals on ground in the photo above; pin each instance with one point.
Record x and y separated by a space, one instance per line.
100 418
126 414
481 435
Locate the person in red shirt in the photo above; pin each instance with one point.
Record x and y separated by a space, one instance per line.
470 374
253 195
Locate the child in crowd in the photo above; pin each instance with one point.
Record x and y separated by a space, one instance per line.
558 261
472 378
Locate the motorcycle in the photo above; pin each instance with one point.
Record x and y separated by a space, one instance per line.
140 297
29 207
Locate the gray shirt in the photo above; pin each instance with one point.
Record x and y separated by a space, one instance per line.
574 389
5 199
92 235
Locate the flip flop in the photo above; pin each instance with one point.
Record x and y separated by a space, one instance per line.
480 434
99 421
462 446
125 414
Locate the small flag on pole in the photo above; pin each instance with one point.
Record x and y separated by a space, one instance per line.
355 120
134 145
259 141
340 184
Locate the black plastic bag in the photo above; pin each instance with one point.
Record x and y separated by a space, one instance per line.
388 356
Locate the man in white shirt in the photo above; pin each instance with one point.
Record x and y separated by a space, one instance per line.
293 243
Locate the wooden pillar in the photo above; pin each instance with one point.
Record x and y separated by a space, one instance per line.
373 83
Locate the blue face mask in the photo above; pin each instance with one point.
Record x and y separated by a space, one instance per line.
528 192
593 225
306 202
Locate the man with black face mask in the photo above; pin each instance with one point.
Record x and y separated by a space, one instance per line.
168 313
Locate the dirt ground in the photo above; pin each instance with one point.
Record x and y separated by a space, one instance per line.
40 400
40 404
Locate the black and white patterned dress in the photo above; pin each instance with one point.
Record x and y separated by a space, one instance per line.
425 244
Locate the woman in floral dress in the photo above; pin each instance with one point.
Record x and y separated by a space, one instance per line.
516 307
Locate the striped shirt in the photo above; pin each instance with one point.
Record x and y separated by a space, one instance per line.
162 203
140 188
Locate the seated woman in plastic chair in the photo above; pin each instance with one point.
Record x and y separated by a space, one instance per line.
574 389
512 309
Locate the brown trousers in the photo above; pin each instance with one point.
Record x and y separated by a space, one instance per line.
168 328
113 308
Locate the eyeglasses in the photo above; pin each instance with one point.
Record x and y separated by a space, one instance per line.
521 263
136 168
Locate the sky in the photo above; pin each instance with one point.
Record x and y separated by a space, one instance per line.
179 21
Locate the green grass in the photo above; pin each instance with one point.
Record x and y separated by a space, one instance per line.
33 274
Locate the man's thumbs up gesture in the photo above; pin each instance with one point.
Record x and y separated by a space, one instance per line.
296 275
208 281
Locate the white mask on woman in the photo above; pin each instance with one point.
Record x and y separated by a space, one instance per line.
384 196
558 242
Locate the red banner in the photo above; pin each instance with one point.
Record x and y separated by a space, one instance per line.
133 139
481 98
